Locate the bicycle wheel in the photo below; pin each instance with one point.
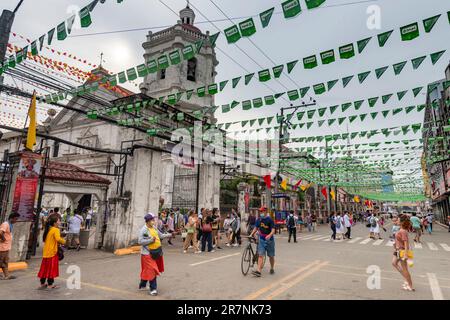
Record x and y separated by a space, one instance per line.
246 260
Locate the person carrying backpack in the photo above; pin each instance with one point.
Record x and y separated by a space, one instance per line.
374 226
340 227
291 226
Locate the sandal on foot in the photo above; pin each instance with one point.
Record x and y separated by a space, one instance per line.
408 288
53 287
256 274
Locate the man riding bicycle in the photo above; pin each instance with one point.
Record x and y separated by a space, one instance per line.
266 244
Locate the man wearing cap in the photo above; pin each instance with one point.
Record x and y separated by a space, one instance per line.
152 262
266 228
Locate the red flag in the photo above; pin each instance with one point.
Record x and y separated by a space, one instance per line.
324 192
268 181
297 184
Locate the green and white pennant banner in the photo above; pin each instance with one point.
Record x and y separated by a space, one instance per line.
380 71
327 57
347 51
277 71
247 27
410 32
291 8
384 37
310 62
398 67
436 56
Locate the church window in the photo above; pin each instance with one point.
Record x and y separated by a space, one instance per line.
162 74
56 149
191 69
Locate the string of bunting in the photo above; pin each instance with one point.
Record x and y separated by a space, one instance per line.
321 88
62 30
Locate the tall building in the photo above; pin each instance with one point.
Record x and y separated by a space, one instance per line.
436 140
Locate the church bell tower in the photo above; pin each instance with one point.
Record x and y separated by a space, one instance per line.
189 74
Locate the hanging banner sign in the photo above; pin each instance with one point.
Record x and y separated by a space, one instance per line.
26 186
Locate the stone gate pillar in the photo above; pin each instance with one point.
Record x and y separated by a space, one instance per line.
243 191
141 196
209 186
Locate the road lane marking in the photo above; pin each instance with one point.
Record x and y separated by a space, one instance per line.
378 242
327 239
446 247
366 241
435 288
215 259
390 243
285 286
417 245
321 238
104 288
355 239
432 246
263 290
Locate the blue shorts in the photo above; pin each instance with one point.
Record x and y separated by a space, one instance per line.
266 246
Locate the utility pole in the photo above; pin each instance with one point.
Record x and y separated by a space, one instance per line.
281 135
6 22
328 178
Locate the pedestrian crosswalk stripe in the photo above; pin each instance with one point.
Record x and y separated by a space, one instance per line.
378 242
321 238
316 236
355 239
309 237
366 241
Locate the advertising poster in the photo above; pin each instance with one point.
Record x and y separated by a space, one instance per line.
26 186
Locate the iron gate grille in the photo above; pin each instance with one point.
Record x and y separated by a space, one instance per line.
185 188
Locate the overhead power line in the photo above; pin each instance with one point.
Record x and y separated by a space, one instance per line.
208 21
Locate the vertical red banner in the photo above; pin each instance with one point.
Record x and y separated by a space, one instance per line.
26 185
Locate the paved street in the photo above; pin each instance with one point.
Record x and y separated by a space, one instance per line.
313 268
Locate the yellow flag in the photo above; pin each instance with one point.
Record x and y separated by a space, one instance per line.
356 198
333 195
31 135
284 184
306 186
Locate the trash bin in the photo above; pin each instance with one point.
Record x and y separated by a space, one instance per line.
84 238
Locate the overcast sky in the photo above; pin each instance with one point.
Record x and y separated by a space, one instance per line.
336 23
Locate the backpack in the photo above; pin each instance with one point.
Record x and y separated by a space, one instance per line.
291 222
233 225
373 223
338 222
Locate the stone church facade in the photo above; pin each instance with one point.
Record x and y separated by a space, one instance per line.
151 178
